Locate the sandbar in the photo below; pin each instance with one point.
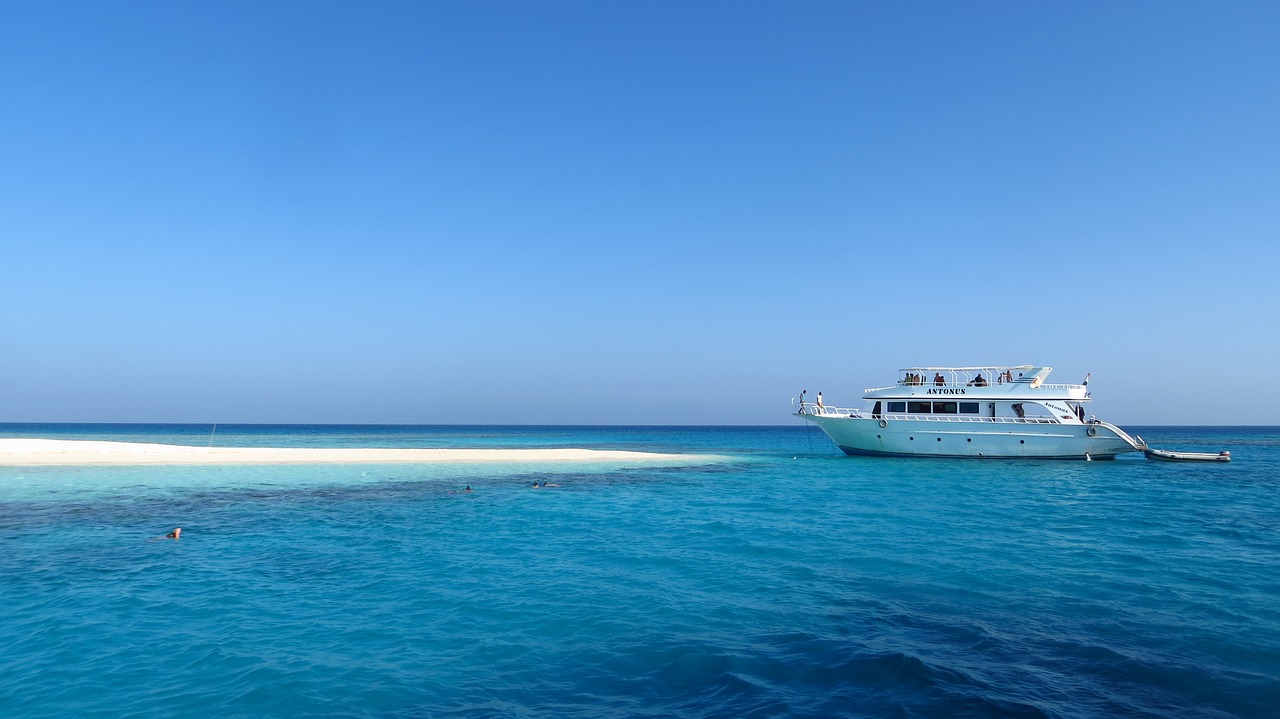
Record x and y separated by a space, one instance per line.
27 452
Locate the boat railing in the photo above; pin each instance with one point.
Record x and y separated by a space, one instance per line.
970 383
968 418
814 410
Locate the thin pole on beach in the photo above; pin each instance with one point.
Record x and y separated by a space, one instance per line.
215 429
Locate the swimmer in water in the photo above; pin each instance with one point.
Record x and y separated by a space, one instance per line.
177 532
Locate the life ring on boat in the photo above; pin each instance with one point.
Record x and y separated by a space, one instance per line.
884 423
1092 431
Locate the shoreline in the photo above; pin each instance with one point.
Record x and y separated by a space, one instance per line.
60 452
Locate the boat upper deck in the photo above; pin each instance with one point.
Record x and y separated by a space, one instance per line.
1005 382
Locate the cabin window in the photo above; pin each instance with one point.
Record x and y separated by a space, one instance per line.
944 407
897 407
969 408
919 408
875 411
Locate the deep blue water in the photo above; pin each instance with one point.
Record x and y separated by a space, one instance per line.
781 579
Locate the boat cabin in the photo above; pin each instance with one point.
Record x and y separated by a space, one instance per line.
995 393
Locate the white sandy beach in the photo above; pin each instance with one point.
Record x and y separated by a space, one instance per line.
26 452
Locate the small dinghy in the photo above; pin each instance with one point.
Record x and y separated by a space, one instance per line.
1168 455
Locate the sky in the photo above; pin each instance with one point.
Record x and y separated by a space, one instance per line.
631 212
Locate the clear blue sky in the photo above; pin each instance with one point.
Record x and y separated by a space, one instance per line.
646 212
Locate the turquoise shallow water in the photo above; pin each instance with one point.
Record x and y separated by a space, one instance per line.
781 580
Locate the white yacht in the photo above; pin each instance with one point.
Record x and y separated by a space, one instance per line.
992 412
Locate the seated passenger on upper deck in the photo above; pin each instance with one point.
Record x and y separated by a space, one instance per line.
979 381
938 379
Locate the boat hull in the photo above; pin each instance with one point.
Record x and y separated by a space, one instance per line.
974 439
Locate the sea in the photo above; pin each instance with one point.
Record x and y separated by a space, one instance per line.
767 576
